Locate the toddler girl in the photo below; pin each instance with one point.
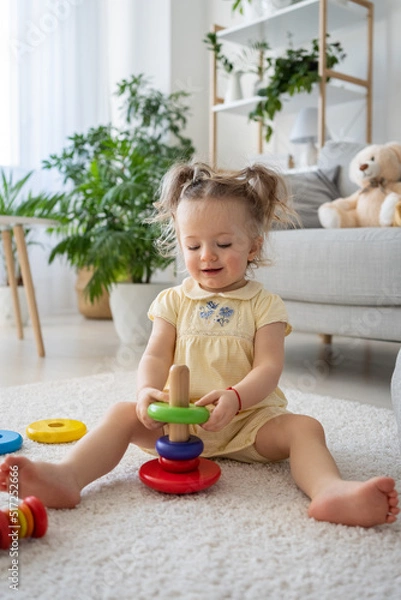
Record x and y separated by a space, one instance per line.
230 332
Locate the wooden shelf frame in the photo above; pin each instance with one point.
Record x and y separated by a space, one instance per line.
327 92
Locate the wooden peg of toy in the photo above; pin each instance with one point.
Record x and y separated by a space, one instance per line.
179 396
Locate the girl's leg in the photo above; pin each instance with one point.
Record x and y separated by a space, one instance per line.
302 440
98 452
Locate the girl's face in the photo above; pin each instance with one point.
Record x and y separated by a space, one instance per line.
215 241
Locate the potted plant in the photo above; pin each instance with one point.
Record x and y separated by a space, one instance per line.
250 60
255 9
15 201
294 72
251 9
114 174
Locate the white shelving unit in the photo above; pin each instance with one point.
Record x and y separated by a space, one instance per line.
305 20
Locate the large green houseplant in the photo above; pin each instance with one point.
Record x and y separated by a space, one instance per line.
113 175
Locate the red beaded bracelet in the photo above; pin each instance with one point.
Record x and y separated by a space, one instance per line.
239 399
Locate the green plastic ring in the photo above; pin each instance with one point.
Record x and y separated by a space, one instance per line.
191 415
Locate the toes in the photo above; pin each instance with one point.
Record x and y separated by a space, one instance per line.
385 484
390 519
4 467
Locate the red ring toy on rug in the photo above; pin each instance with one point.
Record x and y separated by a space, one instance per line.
28 518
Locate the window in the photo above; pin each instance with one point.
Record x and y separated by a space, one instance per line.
8 92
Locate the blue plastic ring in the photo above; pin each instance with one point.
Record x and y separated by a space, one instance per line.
179 450
10 441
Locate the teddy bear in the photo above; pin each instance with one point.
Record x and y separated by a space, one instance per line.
377 203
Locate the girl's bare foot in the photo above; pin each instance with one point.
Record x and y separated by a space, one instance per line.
368 503
53 484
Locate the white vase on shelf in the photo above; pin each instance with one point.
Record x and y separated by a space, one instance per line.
277 4
255 9
234 87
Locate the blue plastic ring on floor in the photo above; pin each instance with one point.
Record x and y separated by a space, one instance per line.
179 450
10 441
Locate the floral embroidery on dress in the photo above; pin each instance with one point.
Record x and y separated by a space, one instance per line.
206 312
222 316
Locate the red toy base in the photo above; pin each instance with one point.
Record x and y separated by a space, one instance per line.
154 476
178 466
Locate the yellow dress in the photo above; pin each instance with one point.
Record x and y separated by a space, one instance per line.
214 338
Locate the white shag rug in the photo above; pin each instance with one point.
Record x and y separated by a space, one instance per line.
246 538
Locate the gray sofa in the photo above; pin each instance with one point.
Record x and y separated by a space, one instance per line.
335 281
396 393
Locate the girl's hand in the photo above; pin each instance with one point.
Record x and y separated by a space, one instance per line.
145 397
226 407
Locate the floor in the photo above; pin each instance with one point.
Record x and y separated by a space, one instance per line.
352 369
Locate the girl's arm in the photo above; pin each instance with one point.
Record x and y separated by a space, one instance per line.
154 368
260 382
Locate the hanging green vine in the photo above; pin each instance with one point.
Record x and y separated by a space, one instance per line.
294 72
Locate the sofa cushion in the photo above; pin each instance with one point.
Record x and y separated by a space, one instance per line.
335 266
308 190
340 153
369 322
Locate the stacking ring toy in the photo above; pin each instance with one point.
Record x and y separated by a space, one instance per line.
179 450
26 519
178 470
191 415
153 474
56 431
30 524
10 441
39 515
4 539
179 466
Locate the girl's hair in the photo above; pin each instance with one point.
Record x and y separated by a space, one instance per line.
262 190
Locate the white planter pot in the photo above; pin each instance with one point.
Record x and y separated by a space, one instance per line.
7 315
234 88
129 304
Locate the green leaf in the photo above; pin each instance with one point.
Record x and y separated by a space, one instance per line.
113 176
294 72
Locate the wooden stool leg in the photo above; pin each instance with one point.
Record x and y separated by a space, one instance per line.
28 284
8 253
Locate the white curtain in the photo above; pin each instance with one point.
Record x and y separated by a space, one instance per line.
59 50
8 90
65 57
60 85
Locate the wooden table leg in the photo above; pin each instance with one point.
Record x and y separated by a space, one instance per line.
29 289
8 253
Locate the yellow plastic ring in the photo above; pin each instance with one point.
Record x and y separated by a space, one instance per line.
23 524
56 431
24 508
